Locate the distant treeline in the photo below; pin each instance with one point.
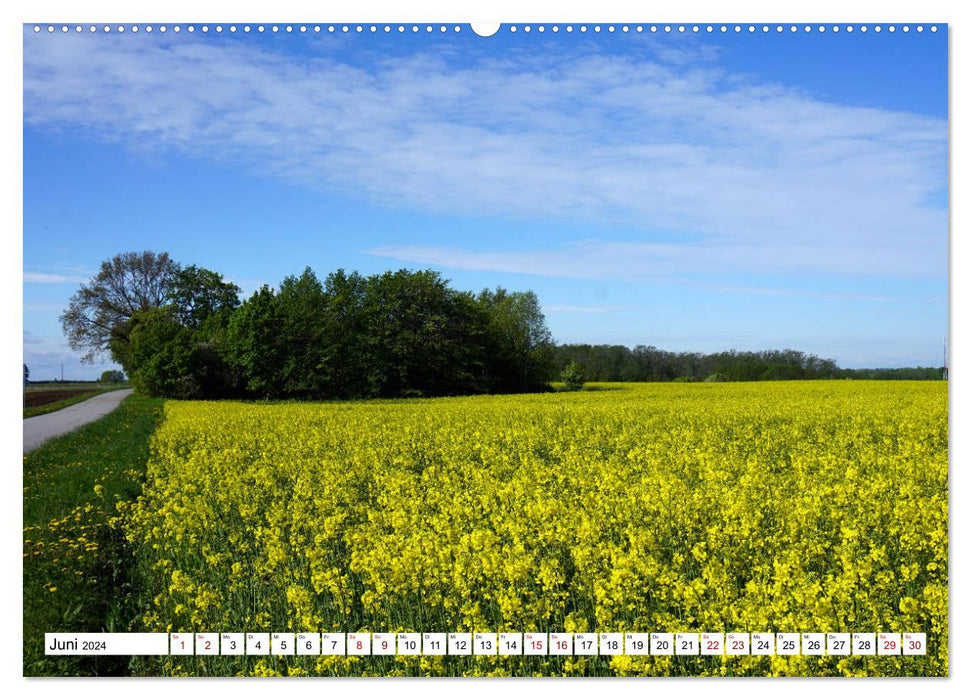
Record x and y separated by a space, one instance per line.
618 363
894 373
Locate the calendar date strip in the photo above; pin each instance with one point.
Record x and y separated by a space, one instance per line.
487 644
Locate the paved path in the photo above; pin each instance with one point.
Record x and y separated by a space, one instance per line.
40 429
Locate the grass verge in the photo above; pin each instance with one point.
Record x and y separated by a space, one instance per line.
77 565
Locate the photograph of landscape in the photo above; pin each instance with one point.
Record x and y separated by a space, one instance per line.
513 344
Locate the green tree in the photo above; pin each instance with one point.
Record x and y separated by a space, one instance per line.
521 346
162 355
302 306
345 360
171 360
420 335
253 344
97 320
200 294
573 376
112 376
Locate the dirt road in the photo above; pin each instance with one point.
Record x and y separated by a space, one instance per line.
40 429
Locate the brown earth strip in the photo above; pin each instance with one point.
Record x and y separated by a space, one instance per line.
40 398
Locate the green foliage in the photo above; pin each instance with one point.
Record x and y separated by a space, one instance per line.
716 377
420 335
573 376
302 306
173 360
617 363
520 346
403 333
198 294
683 379
161 353
254 344
112 376
344 359
906 373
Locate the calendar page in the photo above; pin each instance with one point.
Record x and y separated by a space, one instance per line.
612 349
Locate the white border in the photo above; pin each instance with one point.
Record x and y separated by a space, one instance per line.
602 11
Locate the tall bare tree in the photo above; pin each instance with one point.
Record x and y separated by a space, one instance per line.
97 321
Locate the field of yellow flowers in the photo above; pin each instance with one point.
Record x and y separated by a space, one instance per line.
779 507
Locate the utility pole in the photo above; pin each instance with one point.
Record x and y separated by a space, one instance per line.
945 359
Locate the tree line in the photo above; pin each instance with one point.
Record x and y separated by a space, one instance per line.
912 373
618 363
184 332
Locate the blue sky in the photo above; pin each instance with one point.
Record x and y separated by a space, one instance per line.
692 192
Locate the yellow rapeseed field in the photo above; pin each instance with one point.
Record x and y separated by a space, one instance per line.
777 507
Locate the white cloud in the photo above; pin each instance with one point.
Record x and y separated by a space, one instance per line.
47 356
656 262
736 175
41 306
48 278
